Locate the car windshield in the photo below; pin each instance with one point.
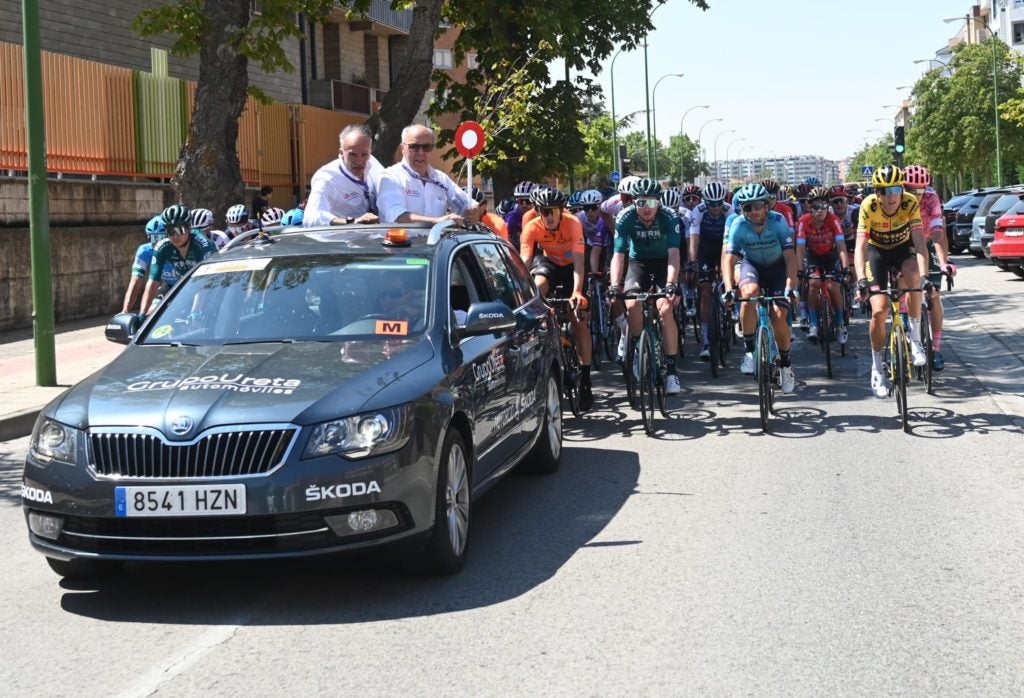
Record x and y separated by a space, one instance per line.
957 201
296 298
1004 204
986 204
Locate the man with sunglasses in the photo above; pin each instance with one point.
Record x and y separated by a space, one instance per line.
183 249
890 235
559 237
613 206
595 234
704 240
411 190
514 218
649 234
763 239
345 190
846 213
821 248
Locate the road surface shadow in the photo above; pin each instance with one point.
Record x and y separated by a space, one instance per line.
523 532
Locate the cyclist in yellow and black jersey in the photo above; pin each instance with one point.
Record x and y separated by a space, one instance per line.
890 235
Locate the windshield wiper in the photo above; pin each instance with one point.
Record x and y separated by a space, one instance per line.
261 341
168 344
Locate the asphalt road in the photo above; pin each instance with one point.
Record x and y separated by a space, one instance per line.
835 556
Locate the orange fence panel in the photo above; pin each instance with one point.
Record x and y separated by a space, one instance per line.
318 131
13 140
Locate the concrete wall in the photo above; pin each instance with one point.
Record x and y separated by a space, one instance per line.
95 228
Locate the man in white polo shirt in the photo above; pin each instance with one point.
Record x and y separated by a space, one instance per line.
413 191
345 190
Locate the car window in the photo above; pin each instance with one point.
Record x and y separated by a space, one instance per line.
526 291
987 202
956 201
495 274
1016 208
309 297
1003 204
465 286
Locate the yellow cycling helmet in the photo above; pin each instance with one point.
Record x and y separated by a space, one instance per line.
888 176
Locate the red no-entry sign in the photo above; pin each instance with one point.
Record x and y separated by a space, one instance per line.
469 139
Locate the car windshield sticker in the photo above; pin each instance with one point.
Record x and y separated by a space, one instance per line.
162 331
392 327
417 261
235 265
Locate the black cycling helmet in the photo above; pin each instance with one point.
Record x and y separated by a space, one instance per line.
478 196
177 215
645 186
505 206
547 197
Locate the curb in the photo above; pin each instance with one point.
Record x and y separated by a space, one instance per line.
19 424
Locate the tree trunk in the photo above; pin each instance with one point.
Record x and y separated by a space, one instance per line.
406 94
208 173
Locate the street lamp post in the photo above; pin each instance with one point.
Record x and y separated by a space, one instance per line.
728 165
647 91
745 146
682 163
699 132
615 137
653 165
717 173
995 91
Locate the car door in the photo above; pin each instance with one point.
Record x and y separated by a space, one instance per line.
485 362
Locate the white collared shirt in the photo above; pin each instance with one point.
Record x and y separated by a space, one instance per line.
404 191
336 192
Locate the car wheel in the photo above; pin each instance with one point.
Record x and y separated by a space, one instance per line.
445 551
1001 264
546 454
83 569
1019 271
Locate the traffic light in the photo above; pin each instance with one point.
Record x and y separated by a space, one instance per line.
899 146
623 160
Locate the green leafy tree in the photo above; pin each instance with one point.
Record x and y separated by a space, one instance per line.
582 32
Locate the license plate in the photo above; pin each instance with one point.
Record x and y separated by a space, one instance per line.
1014 232
181 500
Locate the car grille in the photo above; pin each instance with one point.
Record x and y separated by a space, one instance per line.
215 536
219 454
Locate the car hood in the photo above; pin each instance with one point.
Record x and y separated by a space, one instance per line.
301 383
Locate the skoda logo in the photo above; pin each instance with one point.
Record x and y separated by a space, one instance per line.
181 425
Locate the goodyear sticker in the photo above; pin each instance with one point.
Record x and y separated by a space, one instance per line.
162 331
392 327
235 265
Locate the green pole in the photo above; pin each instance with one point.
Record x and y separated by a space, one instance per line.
995 109
647 98
568 91
617 166
38 199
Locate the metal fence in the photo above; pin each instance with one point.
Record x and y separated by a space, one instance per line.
110 121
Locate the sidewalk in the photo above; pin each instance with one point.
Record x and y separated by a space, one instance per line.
80 349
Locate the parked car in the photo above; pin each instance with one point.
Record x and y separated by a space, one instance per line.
317 391
978 222
949 210
1008 202
964 218
1007 248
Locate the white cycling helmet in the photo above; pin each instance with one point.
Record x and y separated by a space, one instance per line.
272 216
202 218
524 189
627 183
714 191
591 197
237 214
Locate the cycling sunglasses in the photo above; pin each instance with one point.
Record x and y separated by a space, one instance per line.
754 206
820 206
692 198
838 201
547 211
647 203
888 191
714 204
591 207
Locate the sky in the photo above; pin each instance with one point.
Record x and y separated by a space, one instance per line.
743 58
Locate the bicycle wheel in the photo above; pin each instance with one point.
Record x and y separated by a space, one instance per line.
595 346
571 376
715 338
825 334
925 372
901 362
647 382
627 372
660 366
764 376
611 336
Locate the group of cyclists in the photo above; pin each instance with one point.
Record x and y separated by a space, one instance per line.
788 243
687 244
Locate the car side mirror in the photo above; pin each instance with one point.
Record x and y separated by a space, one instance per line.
487 318
122 327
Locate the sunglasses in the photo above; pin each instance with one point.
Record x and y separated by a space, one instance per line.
822 206
838 201
524 202
714 204
176 231
888 191
424 147
547 211
754 206
647 203
691 199
591 207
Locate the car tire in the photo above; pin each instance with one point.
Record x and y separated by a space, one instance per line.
1001 264
445 549
546 454
1019 271
83 569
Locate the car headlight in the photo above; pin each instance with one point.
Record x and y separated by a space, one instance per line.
362 435
53 441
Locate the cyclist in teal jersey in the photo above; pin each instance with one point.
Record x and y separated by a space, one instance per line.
182 249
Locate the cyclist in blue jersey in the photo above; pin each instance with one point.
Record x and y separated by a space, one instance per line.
705 239
514 219
182 249
769 262
648 234
156 231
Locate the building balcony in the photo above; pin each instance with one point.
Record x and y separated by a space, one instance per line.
345 96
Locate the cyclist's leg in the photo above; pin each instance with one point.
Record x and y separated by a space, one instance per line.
877 278
937 313
910 277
